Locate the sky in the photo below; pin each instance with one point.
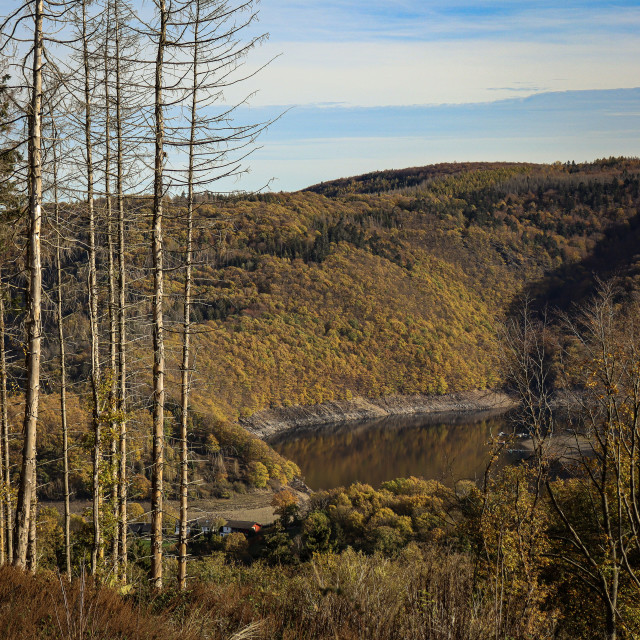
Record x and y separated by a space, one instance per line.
364 85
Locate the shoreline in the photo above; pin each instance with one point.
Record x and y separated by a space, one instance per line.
269 422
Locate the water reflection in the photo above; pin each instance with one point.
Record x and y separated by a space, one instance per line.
447 447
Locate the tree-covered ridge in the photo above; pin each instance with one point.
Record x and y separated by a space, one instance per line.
300 298
394 179
308 298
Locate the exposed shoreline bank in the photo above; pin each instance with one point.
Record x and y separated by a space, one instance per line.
269 422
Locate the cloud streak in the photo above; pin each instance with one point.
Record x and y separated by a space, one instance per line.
403 73
360 73
292 20
311 144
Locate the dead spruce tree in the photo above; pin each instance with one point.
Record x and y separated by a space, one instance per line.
8 159
120 15
79 78
88 78
27 24
158 33
183 122
215 148
62 350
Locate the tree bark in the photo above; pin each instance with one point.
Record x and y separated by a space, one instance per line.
5 525
32 551
158 319
63 384
113 324
97 550
184 452
4 487
122 318
27 488
6 461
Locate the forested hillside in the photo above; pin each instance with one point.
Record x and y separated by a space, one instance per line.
303 297
394 284
391 284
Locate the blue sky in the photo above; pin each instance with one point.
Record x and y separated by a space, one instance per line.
378 84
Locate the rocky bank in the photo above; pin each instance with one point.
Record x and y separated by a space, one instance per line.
268 422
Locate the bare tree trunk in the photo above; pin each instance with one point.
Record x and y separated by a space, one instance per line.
184 452
113 325
611 626
63 382
5 526
4 487
122 318
6 461
26 491
158 319
97 550
114 434
611 606
32 551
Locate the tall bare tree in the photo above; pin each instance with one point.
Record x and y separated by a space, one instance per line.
63 363
6 460
88 71
597 510
215 148
157 468
112 377
8 160
122 317
185 387
27 487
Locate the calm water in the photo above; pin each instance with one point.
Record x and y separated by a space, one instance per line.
446 448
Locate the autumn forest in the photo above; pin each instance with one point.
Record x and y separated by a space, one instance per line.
146 316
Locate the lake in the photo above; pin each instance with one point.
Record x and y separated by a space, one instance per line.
444 447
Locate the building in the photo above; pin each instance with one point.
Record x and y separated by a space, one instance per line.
198 526
248 527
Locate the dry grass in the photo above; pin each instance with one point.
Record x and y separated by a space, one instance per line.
423 595
45 606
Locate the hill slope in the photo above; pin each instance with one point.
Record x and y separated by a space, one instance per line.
368 291
387 283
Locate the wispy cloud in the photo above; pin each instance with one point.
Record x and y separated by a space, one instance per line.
311 144
526 89
397 73
306 20
354 67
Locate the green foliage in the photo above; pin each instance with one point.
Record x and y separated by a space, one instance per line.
285 504
258 474
316 532
236 544
278 546
384 520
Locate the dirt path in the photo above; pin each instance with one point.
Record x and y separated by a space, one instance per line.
255 506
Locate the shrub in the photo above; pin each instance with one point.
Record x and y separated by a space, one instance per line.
258 475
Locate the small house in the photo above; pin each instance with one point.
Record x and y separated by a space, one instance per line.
248 527
198 525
